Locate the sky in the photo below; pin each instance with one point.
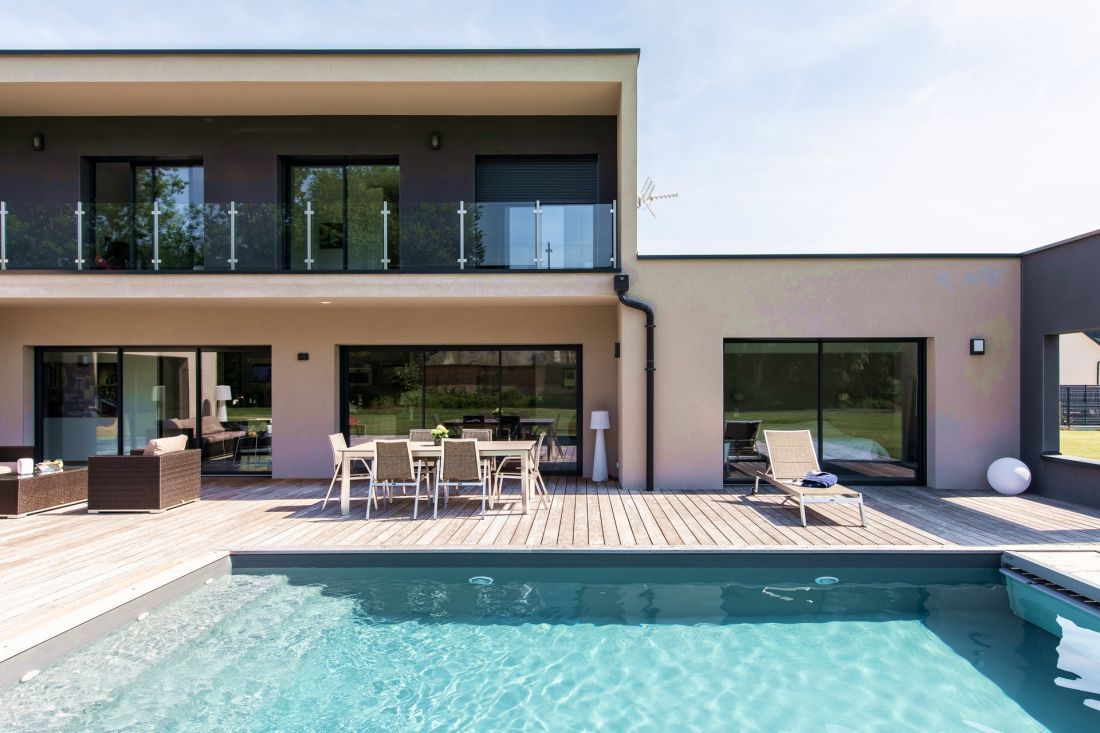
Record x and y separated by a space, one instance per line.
887 126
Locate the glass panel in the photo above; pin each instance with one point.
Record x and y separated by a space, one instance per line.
1079 394
158 396
429 237
540 388
178 193
460 386
111 217
322 189
767 386
870 414
368 187
235 427
41 236
79 404
384 393
568 236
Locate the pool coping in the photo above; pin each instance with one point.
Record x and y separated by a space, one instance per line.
36 647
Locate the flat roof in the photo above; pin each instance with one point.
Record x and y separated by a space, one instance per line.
319 51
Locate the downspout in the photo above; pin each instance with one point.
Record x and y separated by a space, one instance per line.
622 285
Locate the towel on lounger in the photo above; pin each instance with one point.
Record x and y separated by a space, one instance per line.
818 479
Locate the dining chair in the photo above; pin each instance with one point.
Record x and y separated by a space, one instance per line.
512 468
424 435
461 466
394 468
337 443
477 433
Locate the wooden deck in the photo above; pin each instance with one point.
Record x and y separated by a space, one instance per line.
53 565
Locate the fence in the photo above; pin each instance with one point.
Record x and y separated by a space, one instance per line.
1079 406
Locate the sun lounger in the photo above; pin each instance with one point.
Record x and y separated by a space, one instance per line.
791 453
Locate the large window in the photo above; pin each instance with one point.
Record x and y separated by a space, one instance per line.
862 402
1079 394
111 401
143 211
567 232
530 390
343 215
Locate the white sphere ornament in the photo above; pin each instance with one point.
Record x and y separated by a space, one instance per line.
1008 476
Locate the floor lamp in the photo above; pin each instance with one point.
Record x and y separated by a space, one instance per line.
601 422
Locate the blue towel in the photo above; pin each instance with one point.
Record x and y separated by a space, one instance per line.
818 480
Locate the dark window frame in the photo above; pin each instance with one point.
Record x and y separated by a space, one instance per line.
921 474
287 164
343 364
39 394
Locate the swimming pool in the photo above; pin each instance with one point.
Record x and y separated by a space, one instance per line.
668 645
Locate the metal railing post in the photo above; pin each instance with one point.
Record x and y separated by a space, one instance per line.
385 235
79 235
614 231
538 235
232 235
3 235
156 235
309 235
462 235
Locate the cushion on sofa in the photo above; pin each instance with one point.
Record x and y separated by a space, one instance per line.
181 423
210 425
160 446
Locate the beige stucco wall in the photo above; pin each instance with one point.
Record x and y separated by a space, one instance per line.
973 402
304 393
1078 357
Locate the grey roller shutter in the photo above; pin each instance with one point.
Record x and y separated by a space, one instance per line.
549 179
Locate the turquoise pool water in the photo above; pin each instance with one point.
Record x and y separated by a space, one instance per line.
610 649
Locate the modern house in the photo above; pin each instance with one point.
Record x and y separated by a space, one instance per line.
260 248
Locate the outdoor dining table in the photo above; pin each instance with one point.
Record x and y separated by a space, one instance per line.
520 449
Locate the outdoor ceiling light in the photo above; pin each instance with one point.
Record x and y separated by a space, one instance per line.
435 141
977 346
38 142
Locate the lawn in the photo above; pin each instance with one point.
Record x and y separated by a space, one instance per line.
1080 443
881 426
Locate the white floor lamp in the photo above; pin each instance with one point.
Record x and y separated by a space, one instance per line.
222 395
601 421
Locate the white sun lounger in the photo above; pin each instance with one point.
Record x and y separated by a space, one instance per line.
792 457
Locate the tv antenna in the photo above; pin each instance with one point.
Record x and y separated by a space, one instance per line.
646 196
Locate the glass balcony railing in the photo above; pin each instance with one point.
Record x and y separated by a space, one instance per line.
307 236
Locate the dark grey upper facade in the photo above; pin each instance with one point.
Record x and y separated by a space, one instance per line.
1059 295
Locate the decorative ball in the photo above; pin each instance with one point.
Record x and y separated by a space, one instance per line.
1008 476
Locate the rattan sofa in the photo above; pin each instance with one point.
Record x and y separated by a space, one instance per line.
140 483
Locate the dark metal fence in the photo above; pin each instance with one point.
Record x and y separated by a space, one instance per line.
1079 405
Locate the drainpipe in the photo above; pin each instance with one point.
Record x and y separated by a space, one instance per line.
622 284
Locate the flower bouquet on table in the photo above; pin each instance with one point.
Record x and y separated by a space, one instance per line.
439 432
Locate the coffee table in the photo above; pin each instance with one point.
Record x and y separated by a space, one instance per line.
23 494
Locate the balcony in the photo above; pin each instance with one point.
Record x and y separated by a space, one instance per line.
245 237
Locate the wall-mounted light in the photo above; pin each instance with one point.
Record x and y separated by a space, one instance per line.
977 346
38 142
435 141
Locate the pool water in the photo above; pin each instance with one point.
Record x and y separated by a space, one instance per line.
561 649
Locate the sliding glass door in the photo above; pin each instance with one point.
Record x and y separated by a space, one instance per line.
861 401
111 401
387 391
342 215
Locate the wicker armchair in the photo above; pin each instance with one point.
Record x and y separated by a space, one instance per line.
140 483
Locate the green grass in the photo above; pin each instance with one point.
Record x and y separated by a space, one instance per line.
881 426
1080 443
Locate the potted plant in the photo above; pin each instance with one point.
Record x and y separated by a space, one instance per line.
439 432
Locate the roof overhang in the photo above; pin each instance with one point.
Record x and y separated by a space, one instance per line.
219 83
